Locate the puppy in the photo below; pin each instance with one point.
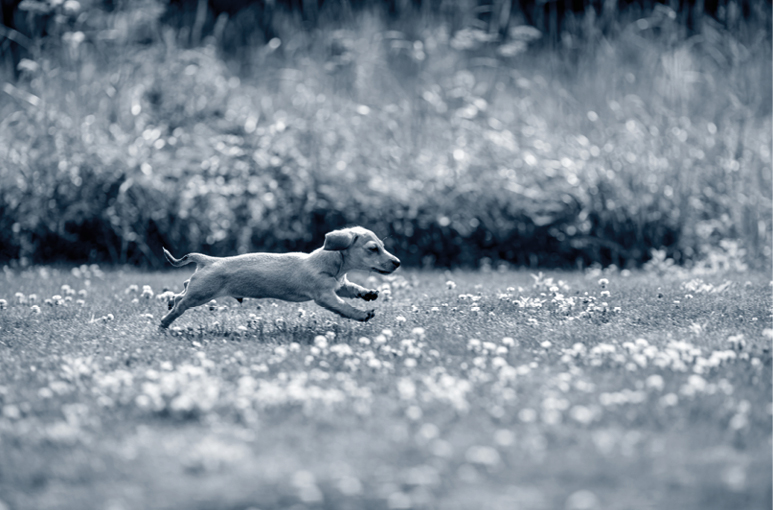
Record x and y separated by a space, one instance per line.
319 276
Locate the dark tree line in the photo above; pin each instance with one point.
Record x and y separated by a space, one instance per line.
24 23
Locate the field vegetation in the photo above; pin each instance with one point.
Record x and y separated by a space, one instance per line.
471 138
493 390
465 135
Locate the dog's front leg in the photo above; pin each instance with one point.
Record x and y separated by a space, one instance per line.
352 290
332 302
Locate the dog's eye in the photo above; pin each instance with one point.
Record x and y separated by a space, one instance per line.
374 249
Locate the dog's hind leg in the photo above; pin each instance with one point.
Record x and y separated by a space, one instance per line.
171 316
182 304
187 299
173 302
201 288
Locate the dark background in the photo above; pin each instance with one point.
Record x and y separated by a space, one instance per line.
557 134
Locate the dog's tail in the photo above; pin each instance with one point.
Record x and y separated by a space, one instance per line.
198 258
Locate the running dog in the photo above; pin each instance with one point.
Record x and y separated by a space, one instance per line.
319 276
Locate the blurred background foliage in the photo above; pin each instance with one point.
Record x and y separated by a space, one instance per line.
470 132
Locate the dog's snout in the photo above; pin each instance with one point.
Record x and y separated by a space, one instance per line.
388 266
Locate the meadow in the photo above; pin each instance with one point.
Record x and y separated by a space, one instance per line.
496 389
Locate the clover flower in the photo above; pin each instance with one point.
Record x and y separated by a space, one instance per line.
602 349
738 421
11 412
737 342
498 363
695 384
582 414
349 485
479 361
483 455
165 296
625 396
342 350
489 346
655 382
419 333
527 415
414 413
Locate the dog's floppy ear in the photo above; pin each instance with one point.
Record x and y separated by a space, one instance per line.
339 240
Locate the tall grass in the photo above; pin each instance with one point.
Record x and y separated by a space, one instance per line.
595 144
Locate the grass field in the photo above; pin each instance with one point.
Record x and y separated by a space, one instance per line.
485 390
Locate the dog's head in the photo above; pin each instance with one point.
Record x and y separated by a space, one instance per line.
364 251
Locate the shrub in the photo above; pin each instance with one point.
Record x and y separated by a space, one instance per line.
119 138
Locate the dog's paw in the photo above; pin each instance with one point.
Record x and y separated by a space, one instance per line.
369 314
370 295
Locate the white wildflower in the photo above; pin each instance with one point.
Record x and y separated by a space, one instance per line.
737 341
320 342
484 455
655 382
